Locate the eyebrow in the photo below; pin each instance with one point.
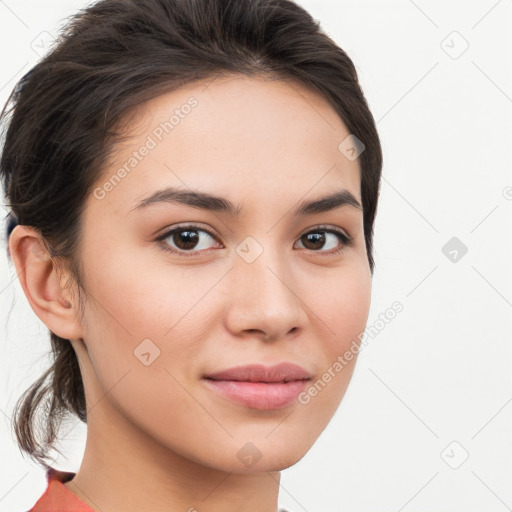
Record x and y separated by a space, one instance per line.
205 201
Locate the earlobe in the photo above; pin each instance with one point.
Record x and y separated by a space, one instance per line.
41 282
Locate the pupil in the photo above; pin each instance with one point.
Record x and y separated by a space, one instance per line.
187 238
316 237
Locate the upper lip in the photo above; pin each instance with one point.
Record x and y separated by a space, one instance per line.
283 372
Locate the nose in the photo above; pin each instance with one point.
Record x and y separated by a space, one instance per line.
265 298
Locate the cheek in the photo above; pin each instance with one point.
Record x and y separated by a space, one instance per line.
142 313
343 306
342 309
141 332
133 296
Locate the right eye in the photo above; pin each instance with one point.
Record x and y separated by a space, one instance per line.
185 238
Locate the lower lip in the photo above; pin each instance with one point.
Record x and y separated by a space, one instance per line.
259 395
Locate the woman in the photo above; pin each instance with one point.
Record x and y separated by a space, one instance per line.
193 186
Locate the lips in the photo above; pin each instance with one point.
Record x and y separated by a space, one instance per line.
258 386
284 372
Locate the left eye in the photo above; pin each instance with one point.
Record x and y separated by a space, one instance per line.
318 236
186 238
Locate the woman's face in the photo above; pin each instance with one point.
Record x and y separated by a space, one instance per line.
244 287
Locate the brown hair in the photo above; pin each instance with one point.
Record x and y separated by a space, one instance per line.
60 125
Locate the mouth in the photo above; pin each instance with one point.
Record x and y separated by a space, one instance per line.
284 372
258 386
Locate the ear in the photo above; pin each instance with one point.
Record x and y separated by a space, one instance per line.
40 280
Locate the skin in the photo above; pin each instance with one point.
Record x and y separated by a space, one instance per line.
157 438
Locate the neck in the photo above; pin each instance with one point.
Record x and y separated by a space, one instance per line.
124 469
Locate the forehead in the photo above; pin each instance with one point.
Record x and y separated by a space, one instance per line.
234 136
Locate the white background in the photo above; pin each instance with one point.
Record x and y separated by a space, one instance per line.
439 374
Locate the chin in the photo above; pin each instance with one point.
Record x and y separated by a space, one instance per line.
265 455
266 464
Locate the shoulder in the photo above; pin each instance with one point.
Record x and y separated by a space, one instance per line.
57 497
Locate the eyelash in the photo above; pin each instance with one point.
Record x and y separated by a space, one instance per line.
346 240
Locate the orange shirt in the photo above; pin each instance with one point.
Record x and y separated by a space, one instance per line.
58 498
